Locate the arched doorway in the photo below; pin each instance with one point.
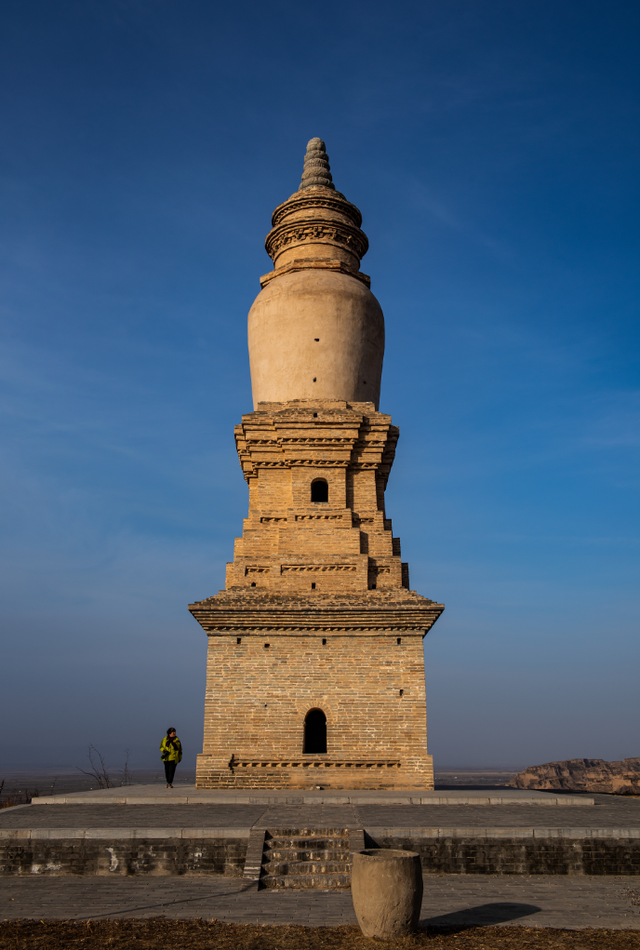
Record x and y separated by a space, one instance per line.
315 732
319 490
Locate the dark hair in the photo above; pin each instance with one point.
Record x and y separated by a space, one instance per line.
170 730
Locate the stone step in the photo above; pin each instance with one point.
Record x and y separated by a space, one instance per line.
297 868
318 881
306 858
298 843
307 854
308 832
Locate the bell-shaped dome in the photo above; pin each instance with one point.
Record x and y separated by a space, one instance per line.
316 331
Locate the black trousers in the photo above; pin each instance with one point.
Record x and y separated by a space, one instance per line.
170 771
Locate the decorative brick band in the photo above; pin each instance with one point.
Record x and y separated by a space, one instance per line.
316 568
316 231
318 517
315 263
251 763
310 463
335 202
246 611
316 443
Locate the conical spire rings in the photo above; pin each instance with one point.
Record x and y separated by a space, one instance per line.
316 227
316 167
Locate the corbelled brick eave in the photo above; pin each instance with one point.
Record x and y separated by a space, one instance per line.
224 612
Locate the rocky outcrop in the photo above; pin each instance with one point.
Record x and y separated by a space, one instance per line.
583 775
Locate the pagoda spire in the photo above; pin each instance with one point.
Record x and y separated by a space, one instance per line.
316 170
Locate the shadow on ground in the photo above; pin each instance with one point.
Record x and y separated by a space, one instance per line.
484 915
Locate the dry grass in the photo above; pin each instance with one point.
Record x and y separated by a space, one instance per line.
160 933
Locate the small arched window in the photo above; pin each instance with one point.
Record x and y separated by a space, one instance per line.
319 490
315 732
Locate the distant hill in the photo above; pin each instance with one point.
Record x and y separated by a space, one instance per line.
583 775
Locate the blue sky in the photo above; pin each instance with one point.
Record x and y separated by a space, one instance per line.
493 149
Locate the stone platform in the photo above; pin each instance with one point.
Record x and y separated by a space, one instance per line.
285 838
184 794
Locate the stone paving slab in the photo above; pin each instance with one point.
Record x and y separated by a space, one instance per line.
622 815
450 900
189 795
489 831
116 834
310 816
135 816
608 811
167 834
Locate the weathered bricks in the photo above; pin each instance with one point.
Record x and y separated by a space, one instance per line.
316 614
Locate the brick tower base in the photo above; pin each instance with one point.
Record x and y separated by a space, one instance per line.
359 661
315 669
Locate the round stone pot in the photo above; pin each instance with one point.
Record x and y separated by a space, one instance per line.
386 888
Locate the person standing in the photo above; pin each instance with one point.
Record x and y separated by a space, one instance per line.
171 754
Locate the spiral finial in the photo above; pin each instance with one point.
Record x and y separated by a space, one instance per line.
316 167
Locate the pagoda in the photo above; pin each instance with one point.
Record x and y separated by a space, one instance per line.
315 668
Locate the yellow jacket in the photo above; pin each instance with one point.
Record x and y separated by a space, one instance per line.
171 749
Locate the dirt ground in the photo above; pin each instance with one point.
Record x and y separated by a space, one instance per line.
159 933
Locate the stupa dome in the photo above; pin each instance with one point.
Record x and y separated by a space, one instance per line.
316 332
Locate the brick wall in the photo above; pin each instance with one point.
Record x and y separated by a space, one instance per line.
316 613
370 688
